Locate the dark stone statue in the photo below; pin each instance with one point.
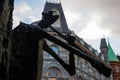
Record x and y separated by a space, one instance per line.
25 44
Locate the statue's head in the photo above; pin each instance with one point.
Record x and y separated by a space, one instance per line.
48 19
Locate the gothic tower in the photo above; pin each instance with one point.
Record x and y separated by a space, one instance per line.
104 50
114 62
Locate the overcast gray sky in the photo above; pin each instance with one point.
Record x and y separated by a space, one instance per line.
89 19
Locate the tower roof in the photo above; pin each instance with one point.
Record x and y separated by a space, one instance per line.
111 54
103 43
49 6
60 24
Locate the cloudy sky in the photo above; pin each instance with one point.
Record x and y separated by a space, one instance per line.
89 19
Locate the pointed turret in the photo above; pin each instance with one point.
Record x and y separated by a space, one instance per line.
104 49
111 54
103 43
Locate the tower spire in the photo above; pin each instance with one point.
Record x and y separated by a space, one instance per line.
111 54
104 49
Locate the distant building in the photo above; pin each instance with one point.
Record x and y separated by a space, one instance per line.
114 63
52 70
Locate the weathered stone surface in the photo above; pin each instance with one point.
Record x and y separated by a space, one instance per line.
6 9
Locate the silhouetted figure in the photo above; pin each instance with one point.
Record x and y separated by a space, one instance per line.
25 44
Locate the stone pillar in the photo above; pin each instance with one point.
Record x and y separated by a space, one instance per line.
6 9
40 60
